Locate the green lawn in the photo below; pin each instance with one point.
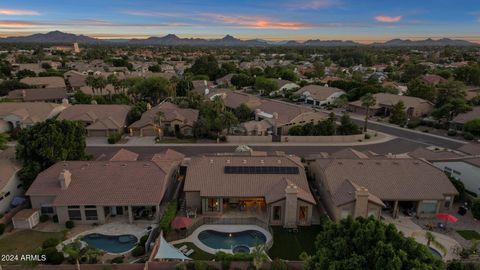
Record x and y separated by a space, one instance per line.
198 254
25 241
469 235
288 245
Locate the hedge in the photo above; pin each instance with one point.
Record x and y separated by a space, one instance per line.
168 216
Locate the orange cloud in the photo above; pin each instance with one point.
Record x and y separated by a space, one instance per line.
388 19
253 22
19 12
15 24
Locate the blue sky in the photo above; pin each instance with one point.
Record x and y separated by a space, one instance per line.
359 20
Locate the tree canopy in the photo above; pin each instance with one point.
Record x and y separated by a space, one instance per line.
357 244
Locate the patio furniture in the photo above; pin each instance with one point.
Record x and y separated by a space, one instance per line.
190 252
183 248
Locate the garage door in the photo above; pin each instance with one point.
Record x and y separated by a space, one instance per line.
97 133
148 132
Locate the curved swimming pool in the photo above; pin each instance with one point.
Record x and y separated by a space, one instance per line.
225 240
111 243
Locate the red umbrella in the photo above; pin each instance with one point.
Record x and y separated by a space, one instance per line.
181 222
447 217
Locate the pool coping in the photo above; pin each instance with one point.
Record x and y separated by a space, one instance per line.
193 238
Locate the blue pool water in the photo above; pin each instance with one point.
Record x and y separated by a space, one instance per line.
435 252
111 244
222 240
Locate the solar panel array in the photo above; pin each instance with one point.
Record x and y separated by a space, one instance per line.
260 170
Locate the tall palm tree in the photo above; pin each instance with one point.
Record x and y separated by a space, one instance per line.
430 238
228 119
157 120
259 256
90 81
367 100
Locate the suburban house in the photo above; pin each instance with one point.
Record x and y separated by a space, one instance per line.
24 114
272 117
173 121
284 85
367 186
459 121
202 87
415 107
224 81
270 187
44 82
317 95
89 192
10 185
432 79
53 94
74 79
99 120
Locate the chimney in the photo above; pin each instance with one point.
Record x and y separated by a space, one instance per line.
65 178
361 202
291 195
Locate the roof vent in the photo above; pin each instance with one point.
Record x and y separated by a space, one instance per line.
244 161
228 161
279 161
211 161
146 165
262 161
124 165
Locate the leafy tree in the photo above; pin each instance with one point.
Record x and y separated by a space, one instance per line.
451 109
155 68
153 89
476 208
398 114
412 71
473 126
368 100
226 120
201 128
9 85
367 244
265 85
469 74
3 141
136 112
417 88
347 127
449 91
288 74
82 98
183 86
25 73
45 143
242 80
206 65
243 113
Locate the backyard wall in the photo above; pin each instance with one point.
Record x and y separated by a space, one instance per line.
249 139
299 139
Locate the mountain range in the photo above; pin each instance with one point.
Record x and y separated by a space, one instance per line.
57 37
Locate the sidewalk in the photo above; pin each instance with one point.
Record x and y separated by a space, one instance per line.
149 141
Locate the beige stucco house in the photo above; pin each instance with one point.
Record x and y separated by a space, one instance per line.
10 185
92 192
270 187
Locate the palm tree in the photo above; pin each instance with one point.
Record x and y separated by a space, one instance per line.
218 105
367 100
157 120
430 238
259 256
90 81
228 119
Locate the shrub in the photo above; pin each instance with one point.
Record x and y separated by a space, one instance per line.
413 124
143 240
138 251
222 256
50 242
476 208
117 260
452 132
114 138
2 228
69 224
367 136
53 256
468 136
200 265
44 218
168 216
278 264
55 219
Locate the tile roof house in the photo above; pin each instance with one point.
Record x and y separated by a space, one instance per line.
99 120
271 187
415 107
24 114
276 116
44 82
363 187
317 95
10 185
459 121
129 188
174 120
432 79
51 94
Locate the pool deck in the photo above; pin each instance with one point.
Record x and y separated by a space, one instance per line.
193 238
138 230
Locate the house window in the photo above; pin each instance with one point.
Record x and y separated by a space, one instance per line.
345 213
428 207
213 205
303 213
46 210
277 213
448 202
91 214
74 213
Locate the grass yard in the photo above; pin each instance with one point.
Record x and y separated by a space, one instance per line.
25 241
469 234
288 245
198 254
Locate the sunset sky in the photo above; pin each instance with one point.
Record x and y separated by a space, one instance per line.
360 20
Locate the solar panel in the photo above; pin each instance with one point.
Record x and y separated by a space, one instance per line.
260 170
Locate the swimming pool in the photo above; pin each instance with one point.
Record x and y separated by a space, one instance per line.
435 253
111 243
226 240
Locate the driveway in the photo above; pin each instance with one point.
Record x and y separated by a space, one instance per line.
411 229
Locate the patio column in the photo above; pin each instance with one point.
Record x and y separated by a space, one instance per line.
157 211
395 210
130 214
